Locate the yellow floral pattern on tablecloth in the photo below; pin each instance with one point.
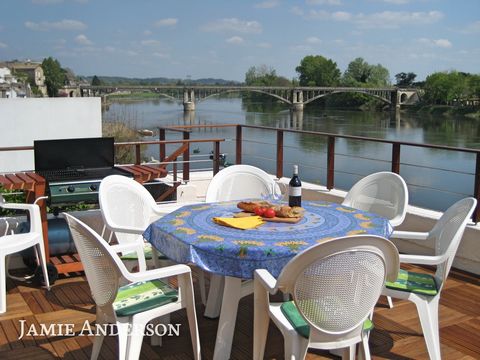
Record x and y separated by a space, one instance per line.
345 210
209 238
292 245
177 222
186 230
362 217
367 225
356 232
183 214
199 208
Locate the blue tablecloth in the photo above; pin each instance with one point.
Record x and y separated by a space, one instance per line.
189 235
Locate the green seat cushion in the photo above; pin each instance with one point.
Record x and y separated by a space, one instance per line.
142 296
147 251
414 282
301 326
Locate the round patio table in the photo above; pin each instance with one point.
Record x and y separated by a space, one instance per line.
189 235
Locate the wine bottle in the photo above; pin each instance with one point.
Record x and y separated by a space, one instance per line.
295 189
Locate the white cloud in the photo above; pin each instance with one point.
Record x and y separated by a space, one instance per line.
301 48
147 33
235 40
324 2
264 45
65 25
313 40
150 42
235 25
46 2
268 4
472 28
161 55
166 22
3 45
397 2
109 49
131 53
395 19
442 43
83 40
297 11
341 16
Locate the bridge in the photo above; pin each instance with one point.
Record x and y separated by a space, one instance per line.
295 97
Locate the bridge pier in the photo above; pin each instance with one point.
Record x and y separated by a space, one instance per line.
188 100
297 100
394 101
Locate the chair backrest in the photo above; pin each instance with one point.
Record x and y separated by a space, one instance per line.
239 182
125 203
102 267
383 193
448 232
336 284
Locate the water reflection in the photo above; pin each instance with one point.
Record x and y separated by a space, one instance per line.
354 159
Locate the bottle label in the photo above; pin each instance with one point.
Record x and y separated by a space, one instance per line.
295 191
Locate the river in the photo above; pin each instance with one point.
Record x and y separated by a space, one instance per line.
435 178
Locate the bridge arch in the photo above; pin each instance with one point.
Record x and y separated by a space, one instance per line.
347 91
245 90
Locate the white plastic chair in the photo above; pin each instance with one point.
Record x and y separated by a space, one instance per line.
10 244
239 182
335 286
383 193
236 182
424 289
127 209
132 306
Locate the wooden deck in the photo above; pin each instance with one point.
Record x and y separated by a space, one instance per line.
397 333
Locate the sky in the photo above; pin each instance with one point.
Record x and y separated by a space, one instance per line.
223 39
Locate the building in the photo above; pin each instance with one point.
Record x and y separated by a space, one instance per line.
33 71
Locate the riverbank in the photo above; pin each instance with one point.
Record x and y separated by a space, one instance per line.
445 110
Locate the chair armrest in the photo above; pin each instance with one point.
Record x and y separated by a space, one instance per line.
126 229
34 212
264 278
160 273
118 248
409 235
421 259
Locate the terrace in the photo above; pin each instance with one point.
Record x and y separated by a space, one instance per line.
397 333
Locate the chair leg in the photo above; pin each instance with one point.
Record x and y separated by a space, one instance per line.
390 302
124 338
296 347
348 353
428 314
201 284
97 345
3 285
364 349
43 263
186 284
214 299
156 340
261 319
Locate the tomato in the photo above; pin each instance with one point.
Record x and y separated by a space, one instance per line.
269 213
260 211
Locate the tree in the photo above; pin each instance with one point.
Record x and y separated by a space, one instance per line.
54 76
405 79
96 81
318 71
262 75
361 73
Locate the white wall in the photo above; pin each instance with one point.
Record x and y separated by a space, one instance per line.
25 120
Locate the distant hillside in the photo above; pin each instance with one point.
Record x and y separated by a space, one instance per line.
118 80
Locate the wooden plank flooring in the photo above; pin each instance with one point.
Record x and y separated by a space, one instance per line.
397 333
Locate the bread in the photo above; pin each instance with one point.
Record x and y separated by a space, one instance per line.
281 211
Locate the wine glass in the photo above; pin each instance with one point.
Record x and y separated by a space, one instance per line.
277 192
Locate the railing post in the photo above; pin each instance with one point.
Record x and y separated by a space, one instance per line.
186 158
238 150
331 163
216 157
161 137
396 158
476 214
137 154
279 154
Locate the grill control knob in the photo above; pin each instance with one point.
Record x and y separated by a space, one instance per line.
71 189
93 187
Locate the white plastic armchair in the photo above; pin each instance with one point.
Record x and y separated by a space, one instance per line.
239 182
127 209
143 299
335 286
383 193
14 243
424 289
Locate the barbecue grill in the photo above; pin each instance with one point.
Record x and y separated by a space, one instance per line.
74 168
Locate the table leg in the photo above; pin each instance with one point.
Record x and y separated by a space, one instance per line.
228 316
214 300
